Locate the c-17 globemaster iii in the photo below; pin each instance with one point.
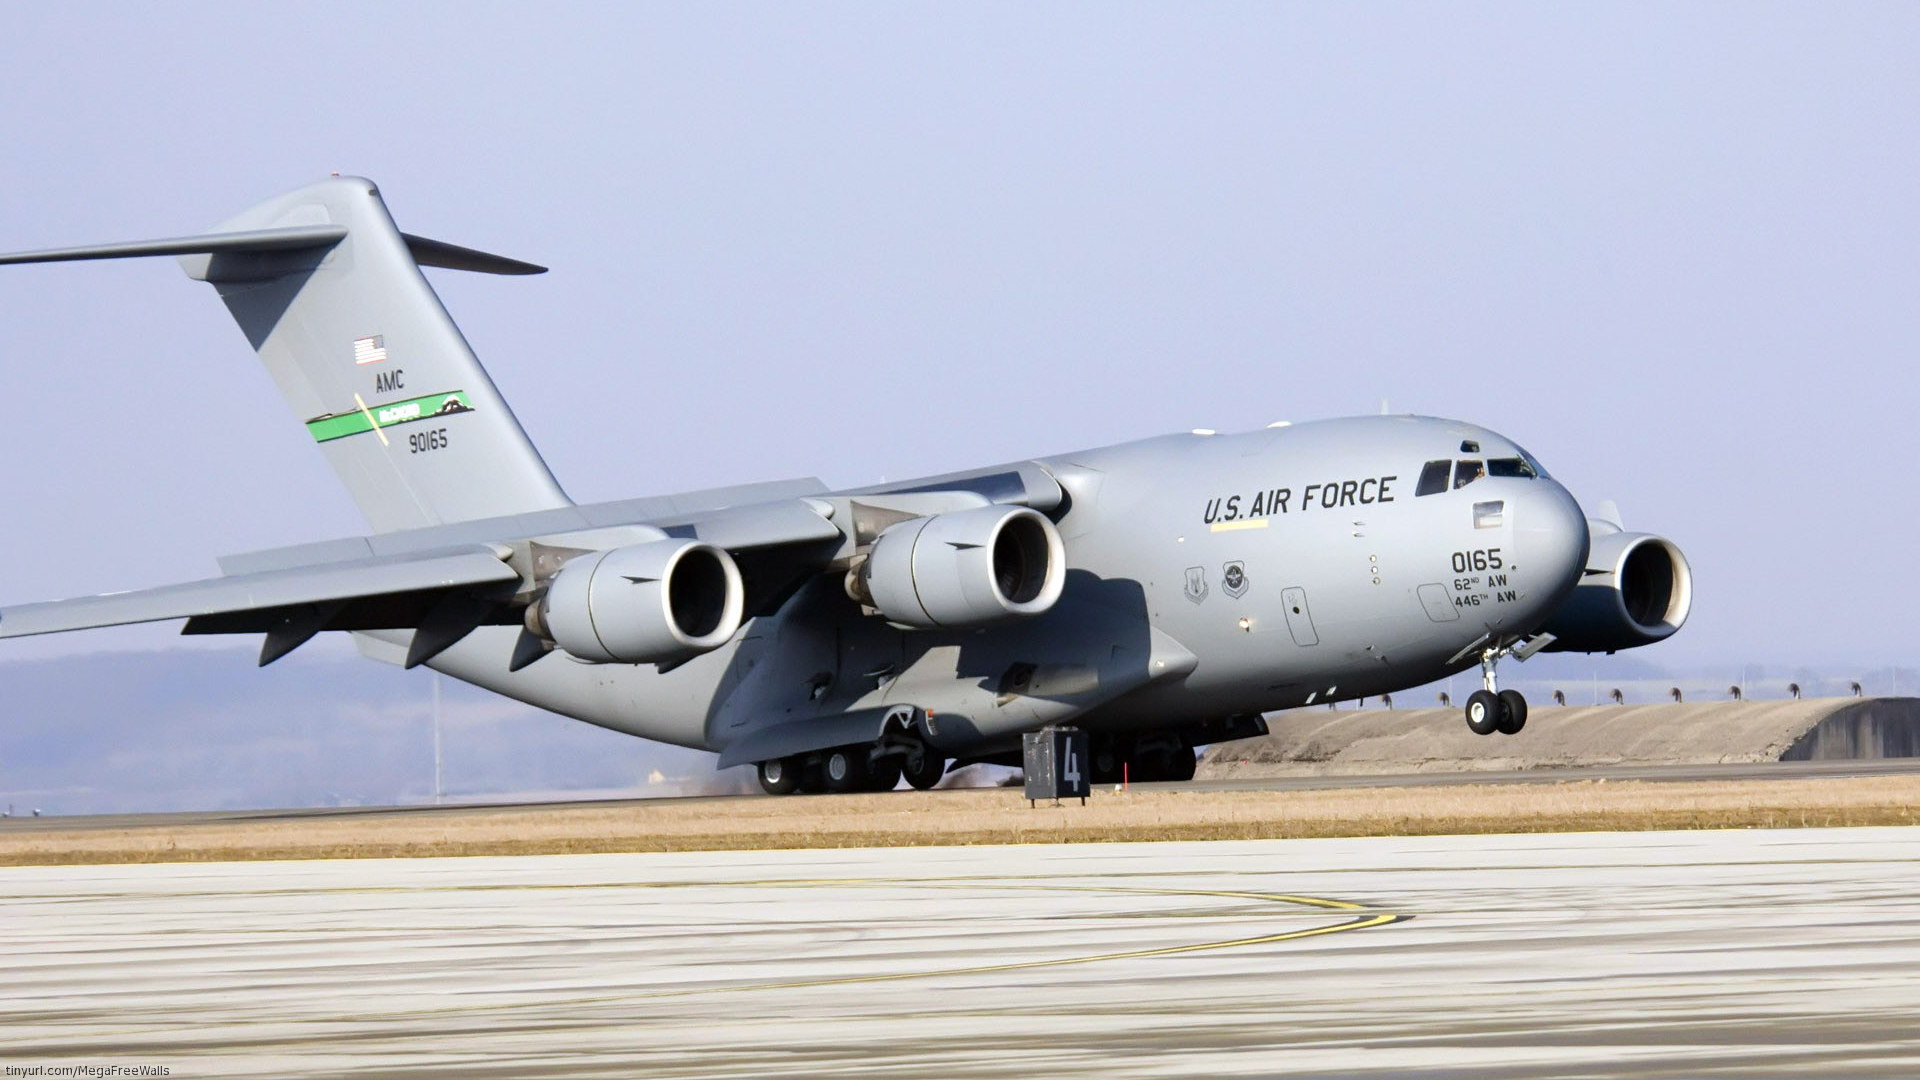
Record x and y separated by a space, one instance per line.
1159 594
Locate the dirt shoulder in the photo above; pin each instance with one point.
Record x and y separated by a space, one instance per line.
988 817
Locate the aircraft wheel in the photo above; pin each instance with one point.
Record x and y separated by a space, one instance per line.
1105 766
781 776
844 769
1484 713
1182 764
1514 712
883 775
1150 767
932 766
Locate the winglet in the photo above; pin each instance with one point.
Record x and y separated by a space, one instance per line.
1606 510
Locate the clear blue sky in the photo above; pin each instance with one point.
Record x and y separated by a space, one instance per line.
1671 248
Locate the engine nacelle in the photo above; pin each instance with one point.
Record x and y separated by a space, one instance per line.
1637 590
648 603
964 568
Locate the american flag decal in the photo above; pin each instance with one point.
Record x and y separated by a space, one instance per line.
370 350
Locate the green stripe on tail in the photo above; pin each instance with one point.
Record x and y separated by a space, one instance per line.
340 425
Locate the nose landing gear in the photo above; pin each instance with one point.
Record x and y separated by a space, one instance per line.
1504 712
1484 712
1492 709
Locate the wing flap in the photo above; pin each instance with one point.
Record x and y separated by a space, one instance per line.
241 595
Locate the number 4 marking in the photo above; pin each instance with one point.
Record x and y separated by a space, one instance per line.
1072 773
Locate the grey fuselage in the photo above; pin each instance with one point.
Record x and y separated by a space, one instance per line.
1209 576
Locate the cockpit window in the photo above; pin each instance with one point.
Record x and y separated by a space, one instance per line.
1466 472
1433 478
1532 462
1510 466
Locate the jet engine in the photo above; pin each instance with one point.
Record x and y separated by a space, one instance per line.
1637 589
647 603
963 568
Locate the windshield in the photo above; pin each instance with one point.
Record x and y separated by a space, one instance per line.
1532 462
1435 475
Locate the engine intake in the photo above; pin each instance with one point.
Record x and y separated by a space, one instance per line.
648 603
1637 590
964 568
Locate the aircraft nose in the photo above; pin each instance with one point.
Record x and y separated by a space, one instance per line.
1550 530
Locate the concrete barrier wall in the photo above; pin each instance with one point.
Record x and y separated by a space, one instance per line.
1863 729
1328 741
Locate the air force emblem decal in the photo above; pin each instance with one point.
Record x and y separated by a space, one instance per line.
1196 583
1233 579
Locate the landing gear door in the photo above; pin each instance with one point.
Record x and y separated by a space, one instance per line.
1299 617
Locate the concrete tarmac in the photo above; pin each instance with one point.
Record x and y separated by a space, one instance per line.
1760 953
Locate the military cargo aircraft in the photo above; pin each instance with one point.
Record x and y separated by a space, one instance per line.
1159 594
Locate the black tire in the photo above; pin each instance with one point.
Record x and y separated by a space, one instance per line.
844 769
781 776
883 775
1105 766
932 766
1484 713
1181 765
1513 708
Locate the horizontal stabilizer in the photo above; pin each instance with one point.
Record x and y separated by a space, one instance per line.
454 257
291 238
263 592
425 252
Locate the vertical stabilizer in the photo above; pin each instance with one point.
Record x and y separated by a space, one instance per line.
370 362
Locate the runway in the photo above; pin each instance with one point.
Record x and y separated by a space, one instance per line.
1788 953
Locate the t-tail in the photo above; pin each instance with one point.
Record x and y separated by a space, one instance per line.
330 294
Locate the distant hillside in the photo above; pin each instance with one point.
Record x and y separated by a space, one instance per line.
205 729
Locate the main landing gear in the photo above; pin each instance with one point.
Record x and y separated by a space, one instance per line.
1490 708
841 770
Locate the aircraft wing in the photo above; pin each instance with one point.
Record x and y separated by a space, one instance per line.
444 581
325 584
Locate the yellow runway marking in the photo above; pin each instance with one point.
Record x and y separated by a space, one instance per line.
1365 918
